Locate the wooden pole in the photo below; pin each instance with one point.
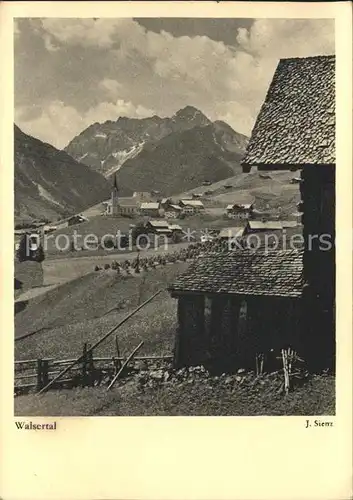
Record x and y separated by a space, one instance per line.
46 387
39 374
84 364
285 370
118 361
90 366
45 372
124 365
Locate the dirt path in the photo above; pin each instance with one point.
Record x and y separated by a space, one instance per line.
34 292
57 271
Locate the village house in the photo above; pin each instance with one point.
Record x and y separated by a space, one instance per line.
158 227
239 210
76 219
165 203
55 226
150 209
286 224
191 206
264 215
62 224
257 226
172 211
176 231
175 227
18 235
288 295
142 196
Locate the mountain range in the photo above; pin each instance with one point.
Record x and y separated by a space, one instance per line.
50 184
170 155
164 154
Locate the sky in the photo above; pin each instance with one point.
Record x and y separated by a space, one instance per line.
70 73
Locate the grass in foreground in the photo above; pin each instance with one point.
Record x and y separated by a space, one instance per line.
198 398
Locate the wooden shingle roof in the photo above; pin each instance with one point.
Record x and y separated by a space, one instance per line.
243 272
296 124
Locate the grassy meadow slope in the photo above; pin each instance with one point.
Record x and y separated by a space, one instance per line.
275 193
84 309
50 184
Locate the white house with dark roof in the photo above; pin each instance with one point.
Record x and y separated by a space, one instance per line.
172 211
239 210
150 209
158 227
191 206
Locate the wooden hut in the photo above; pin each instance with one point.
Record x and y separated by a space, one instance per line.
295 130
290 295
214 289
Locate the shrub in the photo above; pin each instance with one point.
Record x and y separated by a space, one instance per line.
108 243
38 255
137 231
21 252
97 268
106 266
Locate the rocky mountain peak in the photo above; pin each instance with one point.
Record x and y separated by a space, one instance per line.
191 113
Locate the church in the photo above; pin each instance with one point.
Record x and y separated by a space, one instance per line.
120 206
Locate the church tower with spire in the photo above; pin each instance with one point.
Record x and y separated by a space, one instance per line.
114 198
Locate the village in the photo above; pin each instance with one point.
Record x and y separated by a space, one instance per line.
202 314
205 219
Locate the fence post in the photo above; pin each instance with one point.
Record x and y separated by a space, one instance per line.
90 365
39 375
118 361
45 372
84 364
116 365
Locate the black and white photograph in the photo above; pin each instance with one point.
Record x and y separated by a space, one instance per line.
174 217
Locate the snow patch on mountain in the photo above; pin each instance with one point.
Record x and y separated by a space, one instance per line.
123 156
47 196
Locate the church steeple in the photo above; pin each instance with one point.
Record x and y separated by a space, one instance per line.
114 198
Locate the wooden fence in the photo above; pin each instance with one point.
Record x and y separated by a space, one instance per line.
84 370
35 374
